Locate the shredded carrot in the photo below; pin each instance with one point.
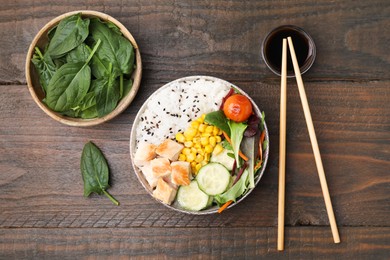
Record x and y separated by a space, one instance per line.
258 165
224 206
262 136
243 156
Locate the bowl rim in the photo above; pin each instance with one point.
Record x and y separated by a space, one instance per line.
132 141
124 102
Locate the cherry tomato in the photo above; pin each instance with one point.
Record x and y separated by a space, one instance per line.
237 108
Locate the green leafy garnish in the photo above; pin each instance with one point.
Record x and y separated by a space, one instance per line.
218 119
237 132
235 191
94 170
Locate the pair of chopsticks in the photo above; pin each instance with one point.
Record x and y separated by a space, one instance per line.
313 140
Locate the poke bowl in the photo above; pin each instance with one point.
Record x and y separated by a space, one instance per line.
189 155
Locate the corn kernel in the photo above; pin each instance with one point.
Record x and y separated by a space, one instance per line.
193 164
180 138
215 130
196 139
182 157
218 139
204 140
197 167
202 128
200 120
191 157
203 116
209 129
212 141
186 151
195 124
188 144
208 149
197 146
204 162
190 133
220 132
199 158
206 134
217 149
200 151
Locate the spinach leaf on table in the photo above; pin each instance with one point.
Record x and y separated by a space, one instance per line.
70 33
115 48
69 85
45 67
95 173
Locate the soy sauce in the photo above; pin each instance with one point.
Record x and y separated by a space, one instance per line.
303 46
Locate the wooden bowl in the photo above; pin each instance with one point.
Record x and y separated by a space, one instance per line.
41 39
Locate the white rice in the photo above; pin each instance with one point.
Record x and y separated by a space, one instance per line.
170 109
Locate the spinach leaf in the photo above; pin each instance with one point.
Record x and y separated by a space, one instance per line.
70 33
79 54
127 85
59 61
94 170
107 95
69 85
100 68
115 48
90 112
51 32
237 133
88 101
44 66
218 119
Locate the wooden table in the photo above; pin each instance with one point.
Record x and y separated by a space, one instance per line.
43 213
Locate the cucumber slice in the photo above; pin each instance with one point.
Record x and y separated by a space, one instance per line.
213 178
192 198
224 159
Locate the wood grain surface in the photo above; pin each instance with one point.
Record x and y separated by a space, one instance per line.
184 243
43 213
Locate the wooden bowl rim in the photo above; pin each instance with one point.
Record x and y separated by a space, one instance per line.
124 102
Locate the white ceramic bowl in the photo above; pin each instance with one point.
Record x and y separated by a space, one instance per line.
187 82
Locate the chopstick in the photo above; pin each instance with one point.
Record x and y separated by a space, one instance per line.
282 147
314 144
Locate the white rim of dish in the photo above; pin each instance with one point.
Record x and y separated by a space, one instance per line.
139 174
